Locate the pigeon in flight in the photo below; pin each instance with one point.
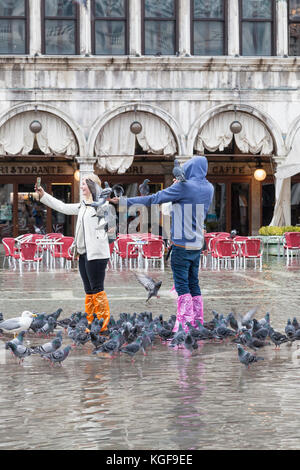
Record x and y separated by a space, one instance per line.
144 188
178 172
150 285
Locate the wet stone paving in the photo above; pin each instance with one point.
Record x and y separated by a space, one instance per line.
168 399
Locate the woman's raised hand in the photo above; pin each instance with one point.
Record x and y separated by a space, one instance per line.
39 190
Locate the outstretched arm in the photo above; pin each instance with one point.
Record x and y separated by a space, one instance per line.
171 194
57 205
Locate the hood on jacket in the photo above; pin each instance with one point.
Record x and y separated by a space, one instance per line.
196 168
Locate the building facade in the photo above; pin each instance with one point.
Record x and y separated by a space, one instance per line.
184 69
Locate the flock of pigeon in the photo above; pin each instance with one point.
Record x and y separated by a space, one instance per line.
132 333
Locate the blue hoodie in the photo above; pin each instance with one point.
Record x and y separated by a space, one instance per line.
190 203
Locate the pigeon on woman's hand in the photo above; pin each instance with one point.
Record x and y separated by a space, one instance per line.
178 172
144 188
118 190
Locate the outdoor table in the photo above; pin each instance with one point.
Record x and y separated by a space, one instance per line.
48 243
267 239
139 244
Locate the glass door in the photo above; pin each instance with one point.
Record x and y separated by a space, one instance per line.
6 210
240 193
60 222
216 220
31 213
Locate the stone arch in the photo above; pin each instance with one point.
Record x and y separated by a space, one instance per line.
24 107
160 113
272 126
292 131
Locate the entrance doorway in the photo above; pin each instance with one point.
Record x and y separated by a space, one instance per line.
21 213
230 208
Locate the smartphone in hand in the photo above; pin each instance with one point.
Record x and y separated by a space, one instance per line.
38 182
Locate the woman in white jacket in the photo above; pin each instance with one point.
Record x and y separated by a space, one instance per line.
91 243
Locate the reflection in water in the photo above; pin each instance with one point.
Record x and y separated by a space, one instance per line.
168 399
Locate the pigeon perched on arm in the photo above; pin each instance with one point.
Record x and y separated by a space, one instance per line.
150 285
118 190
144 188
178 172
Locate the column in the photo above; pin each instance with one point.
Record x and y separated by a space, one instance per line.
85 29
86 166
233 28
135 27
282 47
184 27
35 33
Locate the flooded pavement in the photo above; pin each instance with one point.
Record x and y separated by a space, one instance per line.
167 399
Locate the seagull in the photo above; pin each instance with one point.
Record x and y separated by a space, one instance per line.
144 188
150 285
17 324
178 172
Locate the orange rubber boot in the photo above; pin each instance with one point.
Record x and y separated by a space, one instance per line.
89 307
101 307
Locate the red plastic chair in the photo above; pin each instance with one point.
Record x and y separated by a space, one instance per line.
125 251
252 248
30 252
291 244
225 250
10 250
61 251
153 251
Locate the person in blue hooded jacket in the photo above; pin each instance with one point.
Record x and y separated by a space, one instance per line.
190 202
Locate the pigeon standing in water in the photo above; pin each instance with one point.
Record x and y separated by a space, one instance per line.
17 340
50 347
178 172
19 350
132 348
144 188
150 285
58 356
246 357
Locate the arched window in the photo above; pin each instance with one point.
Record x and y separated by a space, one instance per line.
159 19
209 27
257 18
61 27
294 27
14 27
110 27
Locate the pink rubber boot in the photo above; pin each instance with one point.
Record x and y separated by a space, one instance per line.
184 311
198 309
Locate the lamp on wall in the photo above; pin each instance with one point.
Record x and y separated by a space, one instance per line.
135 127
259 174
77 175
235 126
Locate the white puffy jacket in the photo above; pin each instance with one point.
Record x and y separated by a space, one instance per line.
90 236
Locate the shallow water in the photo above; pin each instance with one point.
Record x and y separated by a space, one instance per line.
167 399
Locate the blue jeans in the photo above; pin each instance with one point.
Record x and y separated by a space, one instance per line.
185 267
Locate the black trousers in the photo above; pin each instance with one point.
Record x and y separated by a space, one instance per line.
92 274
